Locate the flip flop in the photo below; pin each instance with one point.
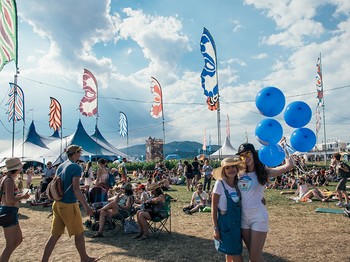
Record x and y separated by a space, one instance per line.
98 234
144 237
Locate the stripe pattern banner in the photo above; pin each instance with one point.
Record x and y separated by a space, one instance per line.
8 32
15 103
123 125
55 115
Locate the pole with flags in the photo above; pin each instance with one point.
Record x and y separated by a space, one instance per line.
157 109
89 103
9 48
320 103
209 78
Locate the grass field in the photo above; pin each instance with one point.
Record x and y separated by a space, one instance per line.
297 233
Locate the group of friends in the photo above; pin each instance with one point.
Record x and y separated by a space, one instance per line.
237 203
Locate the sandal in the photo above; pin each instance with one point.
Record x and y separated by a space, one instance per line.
138 235
98 234
144 237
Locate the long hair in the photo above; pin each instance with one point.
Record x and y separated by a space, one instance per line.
260 169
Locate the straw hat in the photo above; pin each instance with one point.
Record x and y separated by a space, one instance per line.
152 187
73 149
228 161
13 163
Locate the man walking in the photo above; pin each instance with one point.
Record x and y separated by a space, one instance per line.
342 171
66 212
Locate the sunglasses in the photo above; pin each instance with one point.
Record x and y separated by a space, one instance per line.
245 154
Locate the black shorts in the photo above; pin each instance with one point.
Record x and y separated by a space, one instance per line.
189 175
342 184
10 210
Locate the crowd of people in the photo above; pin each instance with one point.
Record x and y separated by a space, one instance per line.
236 200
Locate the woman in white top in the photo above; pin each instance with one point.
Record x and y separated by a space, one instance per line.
88 180
255 223
227 179
102 173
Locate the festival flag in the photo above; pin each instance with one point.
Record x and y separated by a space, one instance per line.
318 119
319 82
157 107
8 32
209 73
15 104
204 147
228 130
55 120
123 124
88 104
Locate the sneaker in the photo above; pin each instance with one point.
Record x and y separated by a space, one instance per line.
339 204
346 205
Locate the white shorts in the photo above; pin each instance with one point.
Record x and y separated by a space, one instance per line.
256 219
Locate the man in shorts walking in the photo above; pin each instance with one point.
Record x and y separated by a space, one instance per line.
66 212
342 170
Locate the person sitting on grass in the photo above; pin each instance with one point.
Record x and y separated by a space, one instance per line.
122 203
153 208
304 194
198 201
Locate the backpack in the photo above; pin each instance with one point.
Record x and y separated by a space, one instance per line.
111 181
348 167
54 190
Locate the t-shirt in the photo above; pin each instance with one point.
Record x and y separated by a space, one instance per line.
67 170
207 170
49 172
251 190
219 190
197 199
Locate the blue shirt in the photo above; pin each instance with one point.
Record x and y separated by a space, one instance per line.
67 170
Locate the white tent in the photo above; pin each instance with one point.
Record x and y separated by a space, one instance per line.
226 150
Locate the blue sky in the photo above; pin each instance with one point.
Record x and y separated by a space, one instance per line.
259 43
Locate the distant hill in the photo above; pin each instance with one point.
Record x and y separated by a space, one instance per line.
185 149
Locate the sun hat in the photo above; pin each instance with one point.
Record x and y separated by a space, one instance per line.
152 187
127 186
73 149
245 147
13 163
228 161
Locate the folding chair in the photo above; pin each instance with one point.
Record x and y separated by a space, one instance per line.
119 219
158 224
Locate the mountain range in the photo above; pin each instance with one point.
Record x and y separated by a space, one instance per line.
185 149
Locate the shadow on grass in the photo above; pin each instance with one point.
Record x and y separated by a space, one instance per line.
174 247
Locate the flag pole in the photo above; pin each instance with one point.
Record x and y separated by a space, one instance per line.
324 118
14 112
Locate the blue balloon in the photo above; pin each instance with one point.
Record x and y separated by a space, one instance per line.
272 155
297 114
270 101
303 139
268 131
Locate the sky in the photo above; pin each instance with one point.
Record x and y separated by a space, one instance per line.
259 43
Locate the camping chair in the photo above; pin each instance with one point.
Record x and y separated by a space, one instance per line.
120 220
158 224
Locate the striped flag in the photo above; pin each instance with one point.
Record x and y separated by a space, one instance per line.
55 120
15 104
8 32
88 104
123 124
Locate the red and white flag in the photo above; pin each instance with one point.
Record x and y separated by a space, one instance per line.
88 104
157 107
